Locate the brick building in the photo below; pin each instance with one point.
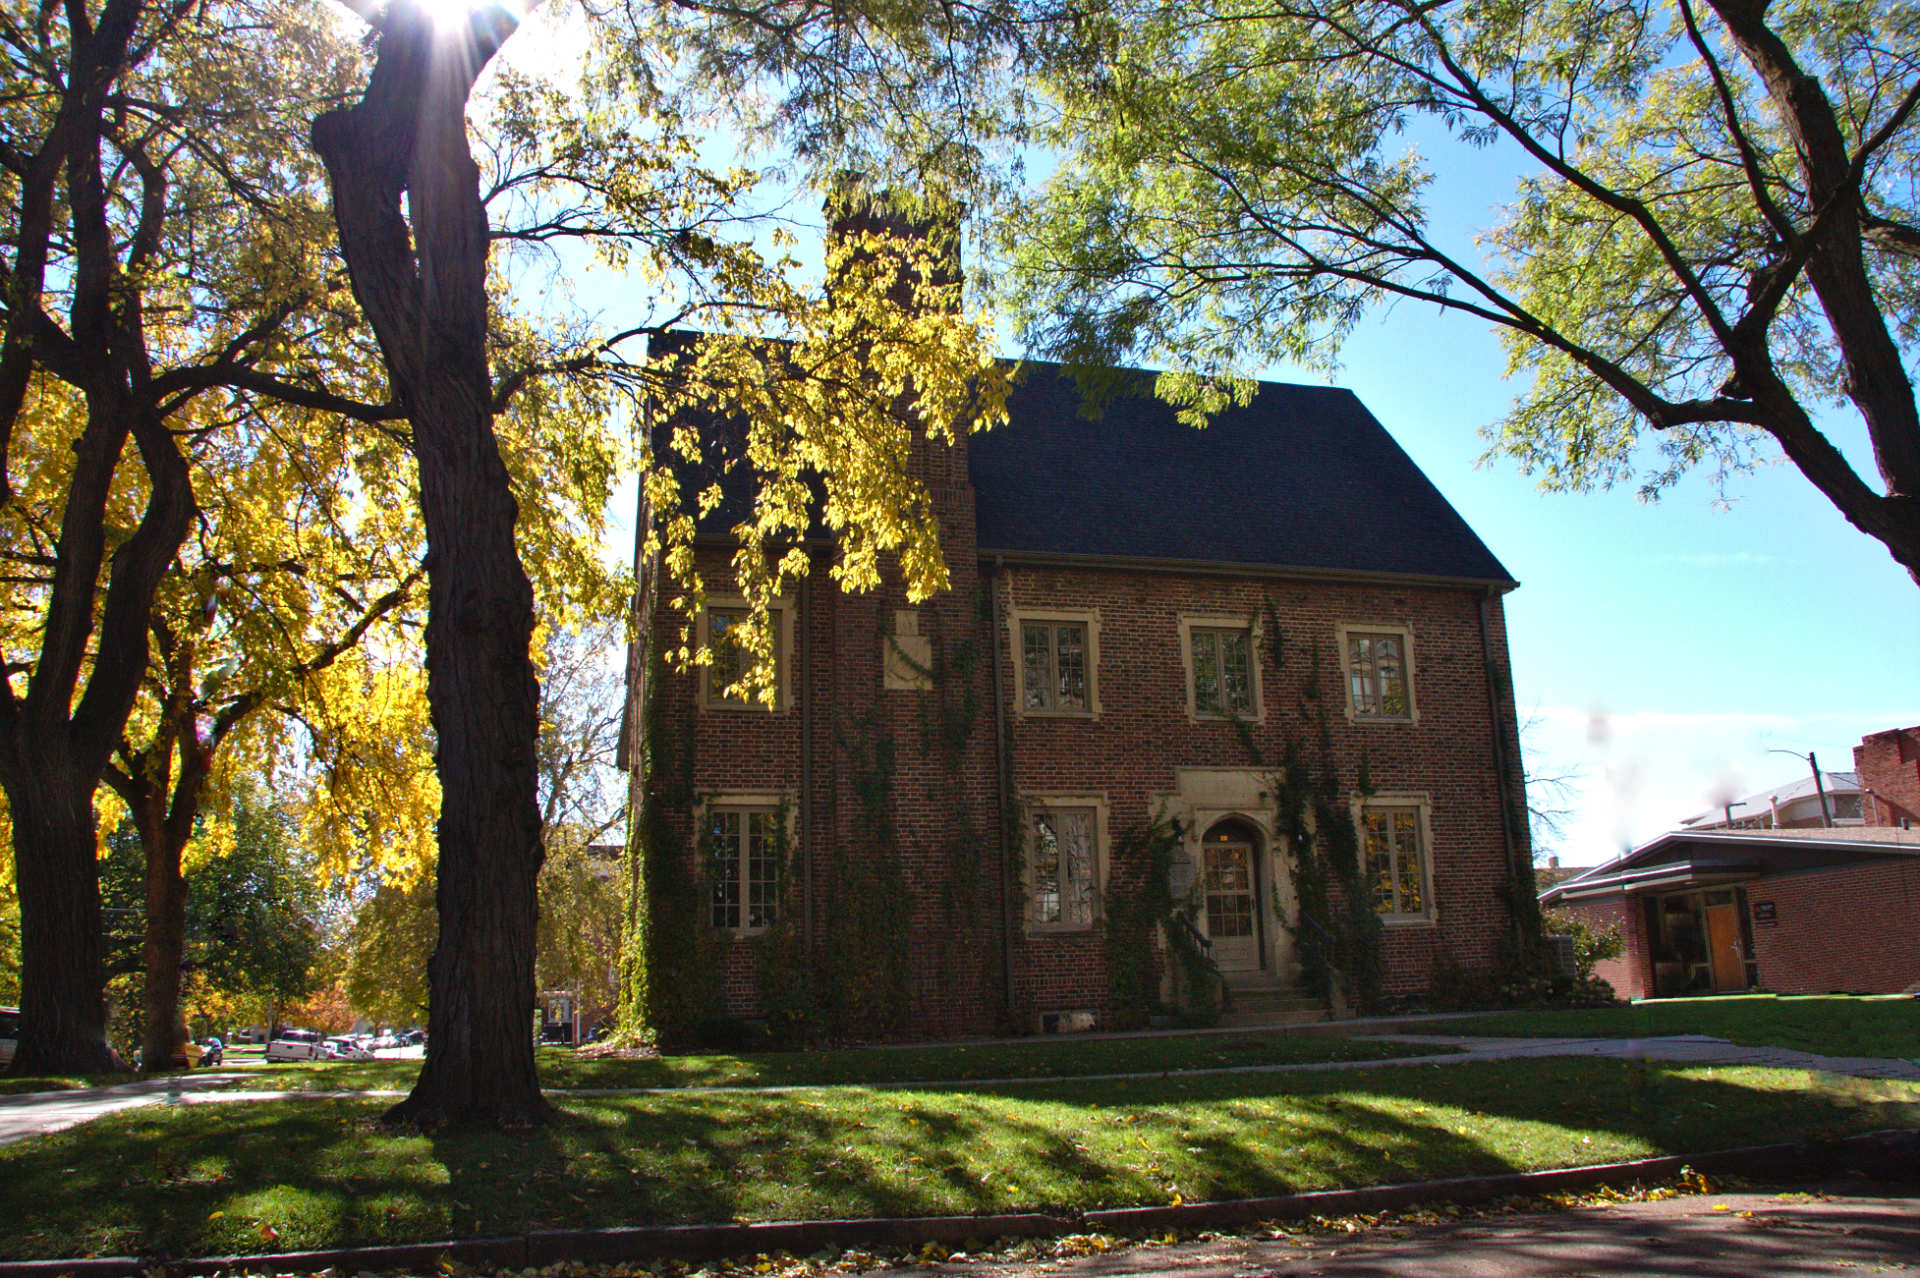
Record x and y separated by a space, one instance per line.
1812 910
1888 767
939 825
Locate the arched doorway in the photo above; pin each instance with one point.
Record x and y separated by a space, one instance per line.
1230 866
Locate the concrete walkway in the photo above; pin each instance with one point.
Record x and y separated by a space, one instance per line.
31 1114
1699 1049
27 1114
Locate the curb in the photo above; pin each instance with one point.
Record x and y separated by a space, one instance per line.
1887 1155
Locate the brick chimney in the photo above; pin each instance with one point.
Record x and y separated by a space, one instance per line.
1889 765
852 210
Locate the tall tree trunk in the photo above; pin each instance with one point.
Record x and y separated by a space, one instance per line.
62 1011
423 288
163 1034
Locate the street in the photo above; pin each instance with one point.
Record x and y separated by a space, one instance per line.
1852 1228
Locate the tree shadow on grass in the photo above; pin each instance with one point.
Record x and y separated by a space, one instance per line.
210 1179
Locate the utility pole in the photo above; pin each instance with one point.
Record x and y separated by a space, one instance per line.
1820 786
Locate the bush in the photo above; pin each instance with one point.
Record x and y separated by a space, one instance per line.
1590 946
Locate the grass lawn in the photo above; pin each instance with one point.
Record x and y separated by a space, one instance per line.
1834 1025
193 1180
1039 1058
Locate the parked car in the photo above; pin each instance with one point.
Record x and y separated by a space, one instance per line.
9 1033
344 1049
295 1045
414 1038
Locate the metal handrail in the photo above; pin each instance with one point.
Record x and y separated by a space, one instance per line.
1200 938
1318 934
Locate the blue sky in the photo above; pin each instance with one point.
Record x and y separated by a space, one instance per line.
1661 650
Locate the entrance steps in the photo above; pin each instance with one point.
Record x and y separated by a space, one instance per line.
1259 1002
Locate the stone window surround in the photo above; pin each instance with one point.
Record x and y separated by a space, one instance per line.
744 801
1191 621
1403 629
1036 801
783 620
1422 802
1017 617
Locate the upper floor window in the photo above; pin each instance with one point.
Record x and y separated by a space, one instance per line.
1053 657
1394 843
1062 867
723 630
743 846
730 660
1056 661
1379 667
1223 673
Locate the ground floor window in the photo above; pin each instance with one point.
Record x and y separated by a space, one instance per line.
1394 844
1061 868
743 846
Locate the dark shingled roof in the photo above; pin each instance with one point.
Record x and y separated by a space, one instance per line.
1302 478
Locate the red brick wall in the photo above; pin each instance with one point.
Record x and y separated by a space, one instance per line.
1854 929
1144 732
837 701
1128 753
1627 974
1889 765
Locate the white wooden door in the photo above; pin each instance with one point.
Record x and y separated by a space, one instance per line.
1230 906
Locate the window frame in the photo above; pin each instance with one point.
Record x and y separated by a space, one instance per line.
1344 633
747 805
1422 806
1214 623
709 693
1018 619
1032 807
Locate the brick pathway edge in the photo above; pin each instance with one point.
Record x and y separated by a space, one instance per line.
1885 1155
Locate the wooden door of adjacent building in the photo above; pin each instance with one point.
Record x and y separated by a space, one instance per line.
1725 958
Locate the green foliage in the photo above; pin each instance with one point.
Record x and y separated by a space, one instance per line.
1138 913
867 972
1590 945
669 969
393 935
258 908
579 920
253 936
1337 931
1713 239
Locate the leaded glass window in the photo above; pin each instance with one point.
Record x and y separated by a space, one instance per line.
1222 671
1060 879
744 846
1396 860
1377 675
725 629
1053 666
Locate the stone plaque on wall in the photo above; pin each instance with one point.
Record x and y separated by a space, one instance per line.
906 655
